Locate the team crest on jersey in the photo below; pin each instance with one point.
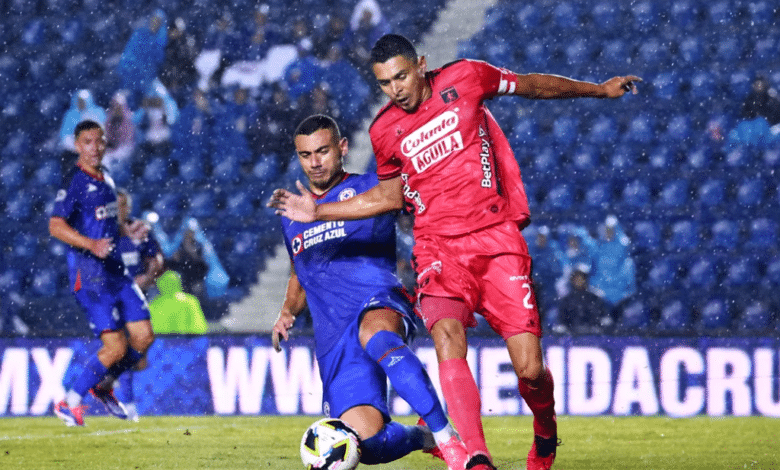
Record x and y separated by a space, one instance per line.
60 195
346 193
449 94
297 244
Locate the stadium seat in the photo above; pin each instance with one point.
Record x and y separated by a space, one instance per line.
755 317
34 32
703 86
641 129
19 208
646 235
762 234
728 49
615 51
703 274
653 54
678 129
674 194
12 174
662 158
635 195
712 193
525 132
691 51
742 275
603 131
192 171
764 50
546 160
606 16
740 83
699 158
674 316
662 275
750 192
683 237
771 157
761 13
666 85
565 130
528 17
720 13
560 198
202 204
536 55
168 205
578 52
599 196
715 315
226 170
634 317
266 168
738 158
566 16
645 16
239 204
44 282
156 171
724 235
585 158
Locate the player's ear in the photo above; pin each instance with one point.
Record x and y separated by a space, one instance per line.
422 66
343 146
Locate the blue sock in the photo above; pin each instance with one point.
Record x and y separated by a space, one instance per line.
124 390
408 377
130 359
391 443
94 371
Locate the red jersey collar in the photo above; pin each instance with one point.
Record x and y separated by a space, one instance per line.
97 176
320 196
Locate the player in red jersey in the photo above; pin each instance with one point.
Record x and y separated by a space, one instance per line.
441 155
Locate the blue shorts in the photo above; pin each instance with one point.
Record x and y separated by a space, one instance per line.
114 305
350 377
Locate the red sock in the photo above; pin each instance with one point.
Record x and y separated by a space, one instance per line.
463 403
542 404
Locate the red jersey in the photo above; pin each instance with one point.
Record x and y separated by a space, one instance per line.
458 171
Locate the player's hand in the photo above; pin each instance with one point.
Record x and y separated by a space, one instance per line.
101 247
616 87
281 329
297 207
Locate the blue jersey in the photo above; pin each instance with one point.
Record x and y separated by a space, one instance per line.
342 265
133 254
88 203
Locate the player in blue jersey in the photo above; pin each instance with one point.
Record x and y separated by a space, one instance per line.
85 218
345 273
143 258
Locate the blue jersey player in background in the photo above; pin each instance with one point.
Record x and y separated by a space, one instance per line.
362 319
85 218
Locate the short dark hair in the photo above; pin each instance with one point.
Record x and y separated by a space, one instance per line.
85 126
313 123
391 45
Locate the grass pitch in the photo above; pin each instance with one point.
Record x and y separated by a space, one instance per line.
271 443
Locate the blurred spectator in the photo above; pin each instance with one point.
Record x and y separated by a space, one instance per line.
158 113
189 262
277 116
178 71
82 108
259 34
614 274
221 48
333 35
347 87
120 135
192 133
175 311
580 251
549 262
366 25
231 123
762 101
143 57
754 132
304 73
581 311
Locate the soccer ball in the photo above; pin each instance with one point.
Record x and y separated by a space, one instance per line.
330 444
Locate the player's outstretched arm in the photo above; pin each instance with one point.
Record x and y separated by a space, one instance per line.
386 196
546 86
294 301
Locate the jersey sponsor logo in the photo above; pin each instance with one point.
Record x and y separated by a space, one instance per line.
429 133
347 193
413 196
91 187
437 152
108 211
484 158
448 95
318 234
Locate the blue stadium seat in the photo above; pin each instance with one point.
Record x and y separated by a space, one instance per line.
741 157
703 274
615 51
566 16
703 86
764 50
525 132
742 274
641 129
724 235
565 130
720 13
645 15
156 171
203 204
266 168
666 85
712 193
662 275
48 174
585 158
674 194
761 13
34 32
12 174
169 206
19 208
663 157
546 160
605 16
740 83
675 316
755 317
240 204
227 170
750 192
578 52
44 282
678 129
653 53
700 157
762 234
646 235
528 17
715 315
691 51
636 195
771 157
192 171
729 49
599 196
560 198
683 237
536 54
634 317
603 131
684 14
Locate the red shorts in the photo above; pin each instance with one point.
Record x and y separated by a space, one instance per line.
489 270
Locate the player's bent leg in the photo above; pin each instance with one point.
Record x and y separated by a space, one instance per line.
141 335
535 383
382 442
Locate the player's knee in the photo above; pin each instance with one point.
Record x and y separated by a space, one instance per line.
530 372
449 336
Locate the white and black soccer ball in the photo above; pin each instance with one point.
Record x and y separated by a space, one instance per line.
330 444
